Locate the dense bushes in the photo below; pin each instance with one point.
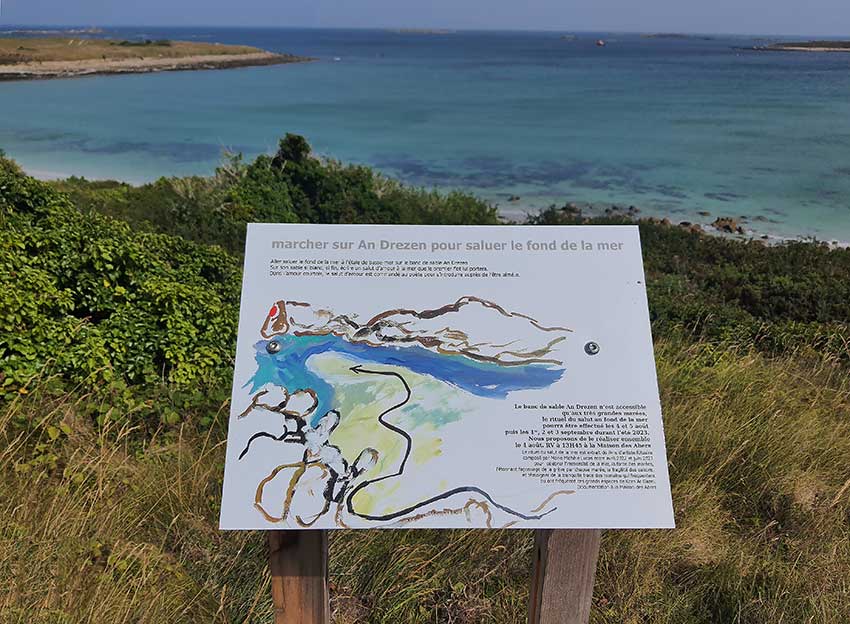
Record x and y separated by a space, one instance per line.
89 298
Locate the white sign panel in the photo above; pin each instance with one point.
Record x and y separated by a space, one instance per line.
455 377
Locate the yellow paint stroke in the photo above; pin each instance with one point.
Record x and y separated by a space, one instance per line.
427 450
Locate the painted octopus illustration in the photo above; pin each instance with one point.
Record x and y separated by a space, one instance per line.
327 377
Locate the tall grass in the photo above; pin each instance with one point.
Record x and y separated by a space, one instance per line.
98 525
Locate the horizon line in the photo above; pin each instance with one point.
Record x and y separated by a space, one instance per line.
44 26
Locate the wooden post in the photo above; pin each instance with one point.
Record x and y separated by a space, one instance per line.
299 567
562 579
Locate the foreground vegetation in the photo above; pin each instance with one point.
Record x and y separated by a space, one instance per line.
95 528
118 309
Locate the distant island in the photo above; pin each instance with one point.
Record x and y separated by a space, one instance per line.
66 31
806 46
61 57
422 31
676 36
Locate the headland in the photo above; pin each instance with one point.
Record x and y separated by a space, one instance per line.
806 46
63 57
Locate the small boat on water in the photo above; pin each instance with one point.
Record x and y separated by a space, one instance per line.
601 43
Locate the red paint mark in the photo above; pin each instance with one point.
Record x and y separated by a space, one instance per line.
273 311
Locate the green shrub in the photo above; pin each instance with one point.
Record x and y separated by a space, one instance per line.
89 298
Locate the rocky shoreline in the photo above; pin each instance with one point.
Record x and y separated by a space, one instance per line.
40 70
742 228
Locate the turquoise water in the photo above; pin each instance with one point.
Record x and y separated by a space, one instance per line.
672 126
289 368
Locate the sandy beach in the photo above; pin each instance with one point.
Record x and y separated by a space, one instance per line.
805 49
807 46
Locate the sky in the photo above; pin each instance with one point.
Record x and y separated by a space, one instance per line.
809 17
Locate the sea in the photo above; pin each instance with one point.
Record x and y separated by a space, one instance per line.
685 127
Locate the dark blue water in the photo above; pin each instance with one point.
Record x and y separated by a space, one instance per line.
672 126
289 368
